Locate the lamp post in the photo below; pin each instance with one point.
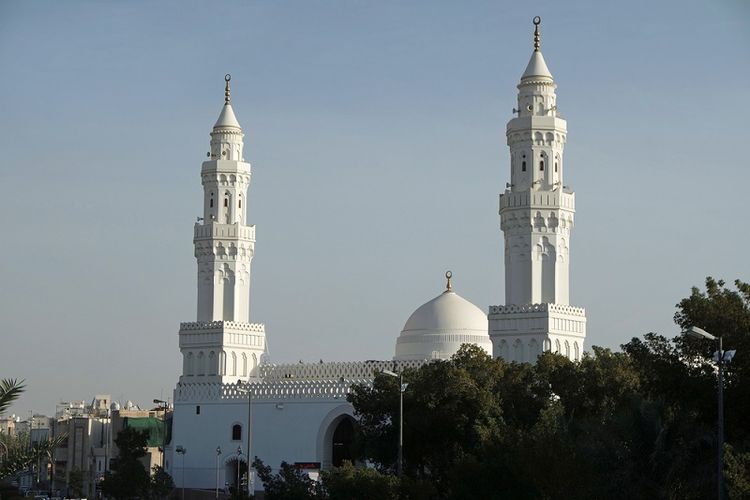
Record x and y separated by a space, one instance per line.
218 454
401 389
239 454
182 450
700 333
163 406
249 393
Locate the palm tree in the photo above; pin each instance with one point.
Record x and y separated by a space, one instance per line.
10 390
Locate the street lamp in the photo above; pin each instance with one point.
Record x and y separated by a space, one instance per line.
163 406
239 454
182 450
721 358
401 389
218 454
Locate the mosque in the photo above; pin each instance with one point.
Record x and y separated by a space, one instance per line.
298 413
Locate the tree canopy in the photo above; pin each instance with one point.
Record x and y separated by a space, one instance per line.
640 423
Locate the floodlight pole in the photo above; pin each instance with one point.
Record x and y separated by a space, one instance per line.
700 333
401 389
720 437
401 424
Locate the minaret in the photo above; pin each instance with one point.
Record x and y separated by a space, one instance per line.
536 216
222 342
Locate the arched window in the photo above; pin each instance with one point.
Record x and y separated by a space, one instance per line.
555 166
240 204
523 166
236 432
211 202
226 202
541 164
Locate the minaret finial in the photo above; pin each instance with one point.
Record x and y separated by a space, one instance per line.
537 22
448 276
227 91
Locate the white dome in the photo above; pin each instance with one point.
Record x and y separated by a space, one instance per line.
438 328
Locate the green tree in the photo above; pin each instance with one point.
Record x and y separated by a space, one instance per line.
289 484
16 451
363 483
129 478
161 483
10 390
75 482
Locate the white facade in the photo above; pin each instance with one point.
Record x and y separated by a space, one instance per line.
536 215
298 413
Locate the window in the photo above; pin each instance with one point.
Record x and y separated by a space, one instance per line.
226 202
555 166
541 165
236 432
240 203
211 203
198 410
523 166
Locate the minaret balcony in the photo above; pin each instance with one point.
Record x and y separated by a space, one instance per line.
231 231
538 199
222 333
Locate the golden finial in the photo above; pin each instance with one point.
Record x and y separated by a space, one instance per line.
227 92
537 22
448 276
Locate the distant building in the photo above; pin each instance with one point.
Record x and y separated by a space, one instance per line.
89 450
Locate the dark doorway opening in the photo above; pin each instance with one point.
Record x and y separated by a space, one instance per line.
343 441
232 476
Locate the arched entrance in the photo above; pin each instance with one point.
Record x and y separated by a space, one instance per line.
231 473
342 442
328 426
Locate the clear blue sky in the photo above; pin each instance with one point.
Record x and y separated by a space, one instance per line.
376 131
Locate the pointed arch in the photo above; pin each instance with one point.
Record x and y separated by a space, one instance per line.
213 368
504 350
189 362
518 354
201 364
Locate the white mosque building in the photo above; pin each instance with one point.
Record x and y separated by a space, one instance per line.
298 413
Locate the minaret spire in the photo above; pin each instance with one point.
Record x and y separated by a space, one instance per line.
537 21
227 90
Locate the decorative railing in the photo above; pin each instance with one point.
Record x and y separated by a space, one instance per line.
532 308
293 381
223 325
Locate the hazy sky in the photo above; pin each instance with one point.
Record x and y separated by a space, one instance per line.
376 131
